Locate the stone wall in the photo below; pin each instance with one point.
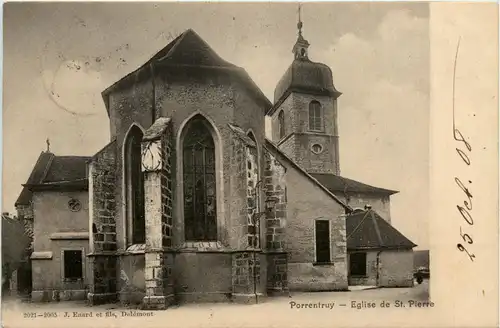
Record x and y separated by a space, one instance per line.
203 276
246 273
307 201
166 186
156 167
370 279
379 203
298 145
103 243
102 183
238 224
132 282
277 273
24 211
396 268
57 228
25 215
276 189
253 192
290 119
393 268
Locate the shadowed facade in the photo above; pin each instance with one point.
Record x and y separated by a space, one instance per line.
190 202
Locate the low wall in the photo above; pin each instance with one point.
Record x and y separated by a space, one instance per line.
132 284
309 277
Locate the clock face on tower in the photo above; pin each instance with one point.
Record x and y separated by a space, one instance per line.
151 156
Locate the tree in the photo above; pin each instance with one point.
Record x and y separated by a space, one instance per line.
14 244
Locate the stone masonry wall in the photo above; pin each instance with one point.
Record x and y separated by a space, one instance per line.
25 215
103 199
238 195
156 167
102 205
275 187
298 145
252 198
246 272
277 278
166 187
24 211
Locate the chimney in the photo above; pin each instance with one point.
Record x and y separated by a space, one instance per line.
368 207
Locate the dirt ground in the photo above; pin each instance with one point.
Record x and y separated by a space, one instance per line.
289 311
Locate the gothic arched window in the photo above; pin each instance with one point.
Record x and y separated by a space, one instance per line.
281 124
315 119
200 212
134 186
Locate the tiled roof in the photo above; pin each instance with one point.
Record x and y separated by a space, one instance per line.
368 230
55 171
336 183
190 56
66 169
24 197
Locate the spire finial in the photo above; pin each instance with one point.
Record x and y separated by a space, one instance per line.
299 23
48 145
300 47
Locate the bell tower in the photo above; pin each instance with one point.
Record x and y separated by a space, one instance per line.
304 115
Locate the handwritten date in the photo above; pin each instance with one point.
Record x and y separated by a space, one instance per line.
464 151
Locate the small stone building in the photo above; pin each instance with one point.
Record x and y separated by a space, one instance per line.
55 201
190 202
378 254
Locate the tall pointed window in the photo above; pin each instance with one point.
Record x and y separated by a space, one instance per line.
200 214
134 182
281 124
315 118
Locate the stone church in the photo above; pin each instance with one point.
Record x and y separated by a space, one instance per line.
190 202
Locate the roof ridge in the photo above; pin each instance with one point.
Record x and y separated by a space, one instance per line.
357 227
377 229
34 166
385 236
381 219
351 183
71 156
176 42
47 167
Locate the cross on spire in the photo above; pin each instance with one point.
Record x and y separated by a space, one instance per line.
299 23
300 47
48 145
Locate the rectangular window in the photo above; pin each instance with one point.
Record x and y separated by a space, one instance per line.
322 241
73 264
357 264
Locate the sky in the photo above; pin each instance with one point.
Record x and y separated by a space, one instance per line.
59 57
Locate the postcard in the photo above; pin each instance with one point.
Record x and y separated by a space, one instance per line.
266 164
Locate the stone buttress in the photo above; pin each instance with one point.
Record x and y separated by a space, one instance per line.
159 257
102 203
275 225
246 259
